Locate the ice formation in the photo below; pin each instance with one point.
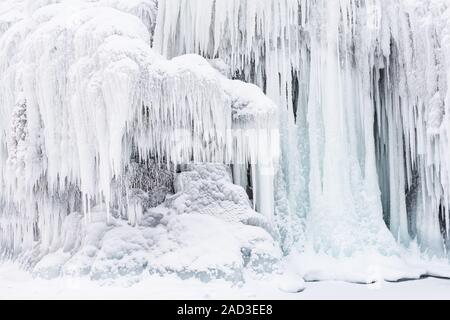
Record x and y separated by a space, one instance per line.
171 238
337 70
84 97
322 126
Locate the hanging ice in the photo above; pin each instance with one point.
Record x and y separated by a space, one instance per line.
83 97
102 102
335 68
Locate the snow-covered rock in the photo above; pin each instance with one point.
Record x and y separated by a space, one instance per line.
207 230
84 98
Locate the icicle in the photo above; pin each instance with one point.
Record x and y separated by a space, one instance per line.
399 40
82 92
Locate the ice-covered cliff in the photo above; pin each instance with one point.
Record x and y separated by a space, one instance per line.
328 118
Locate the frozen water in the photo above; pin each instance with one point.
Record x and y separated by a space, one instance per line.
141 136
189 235
85 100
361 88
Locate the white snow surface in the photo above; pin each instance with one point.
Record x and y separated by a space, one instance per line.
190 235
18 284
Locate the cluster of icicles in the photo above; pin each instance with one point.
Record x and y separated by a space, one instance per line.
361 89
83 94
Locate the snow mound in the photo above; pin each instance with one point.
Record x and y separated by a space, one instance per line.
207 230
208 189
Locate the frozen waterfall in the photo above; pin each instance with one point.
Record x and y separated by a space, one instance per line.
324 124
362 90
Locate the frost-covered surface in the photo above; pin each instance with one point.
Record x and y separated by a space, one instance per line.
337 69
180 237
227 139
19 284
84 98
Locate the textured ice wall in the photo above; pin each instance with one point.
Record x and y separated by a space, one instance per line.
361 90
83 97
333 67
206 230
